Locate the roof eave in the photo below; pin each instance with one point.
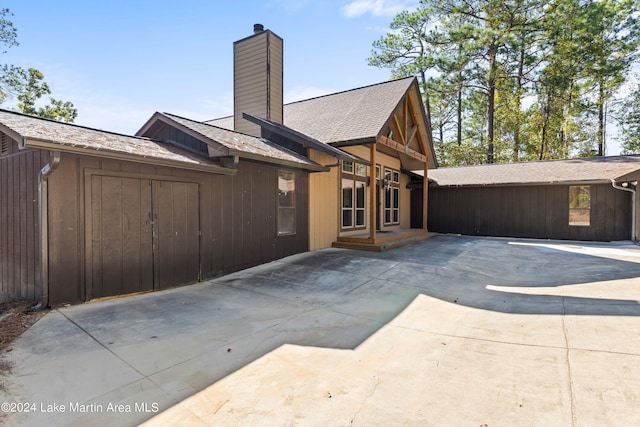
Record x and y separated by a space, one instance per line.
521 184
352 142
115 155
313 167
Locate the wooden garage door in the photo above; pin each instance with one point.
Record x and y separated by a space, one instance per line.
144 235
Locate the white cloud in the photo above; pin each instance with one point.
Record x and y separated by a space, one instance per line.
377 7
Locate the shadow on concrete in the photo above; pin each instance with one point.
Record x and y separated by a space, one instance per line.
183 340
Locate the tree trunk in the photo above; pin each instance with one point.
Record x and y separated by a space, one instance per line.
601 129
545 126
519 81
427 104
491 98
459 112
566 122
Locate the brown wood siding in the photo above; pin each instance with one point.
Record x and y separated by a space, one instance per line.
528 211
19 238
236 214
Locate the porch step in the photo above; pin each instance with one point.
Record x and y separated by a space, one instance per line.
381 247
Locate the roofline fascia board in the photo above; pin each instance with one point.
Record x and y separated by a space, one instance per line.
250 156
145 127
390 118
12 134
47 145
352 142
629 176
522 184
169 121
299 138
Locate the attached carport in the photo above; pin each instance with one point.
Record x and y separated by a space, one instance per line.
579 199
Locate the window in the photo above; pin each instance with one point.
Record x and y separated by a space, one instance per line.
286 203
580 205
354 195
391 197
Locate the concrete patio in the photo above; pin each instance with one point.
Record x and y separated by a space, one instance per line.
448 331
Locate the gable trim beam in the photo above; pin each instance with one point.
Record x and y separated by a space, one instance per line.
421 141
401 148
412 134
398 129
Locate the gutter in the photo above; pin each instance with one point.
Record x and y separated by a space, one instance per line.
624 187
115 155
43 210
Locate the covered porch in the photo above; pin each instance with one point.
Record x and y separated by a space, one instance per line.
404 138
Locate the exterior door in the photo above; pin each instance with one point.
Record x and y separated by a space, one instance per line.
141 235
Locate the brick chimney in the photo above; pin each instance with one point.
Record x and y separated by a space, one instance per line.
257 79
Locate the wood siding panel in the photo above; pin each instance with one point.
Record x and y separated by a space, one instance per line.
19 242
176 240
324 196
236 215
529 211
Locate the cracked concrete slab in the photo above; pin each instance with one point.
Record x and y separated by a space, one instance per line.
448 331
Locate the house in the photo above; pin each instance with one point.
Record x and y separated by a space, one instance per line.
362 203
579 199
86 214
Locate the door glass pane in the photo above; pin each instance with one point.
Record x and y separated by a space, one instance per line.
360 194
347 193
347 218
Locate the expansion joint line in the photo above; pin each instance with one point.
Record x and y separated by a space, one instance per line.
101 344
574 421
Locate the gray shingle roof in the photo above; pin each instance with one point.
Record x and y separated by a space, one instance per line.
239 143
69 135
590 169
354 115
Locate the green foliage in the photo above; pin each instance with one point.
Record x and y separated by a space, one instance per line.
520 79
631 123
28 86
31 88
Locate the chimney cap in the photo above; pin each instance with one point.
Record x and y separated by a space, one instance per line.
258 28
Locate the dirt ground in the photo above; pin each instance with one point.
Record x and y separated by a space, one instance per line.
15 318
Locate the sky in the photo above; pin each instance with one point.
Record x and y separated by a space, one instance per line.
119 61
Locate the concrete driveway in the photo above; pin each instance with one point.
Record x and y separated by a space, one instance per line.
449 331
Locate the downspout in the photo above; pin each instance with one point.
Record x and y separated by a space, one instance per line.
43 211
334 164
633 207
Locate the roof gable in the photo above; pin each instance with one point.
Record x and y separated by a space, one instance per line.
227 143
36 132
356 116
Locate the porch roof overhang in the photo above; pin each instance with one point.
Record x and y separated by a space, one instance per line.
300 138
